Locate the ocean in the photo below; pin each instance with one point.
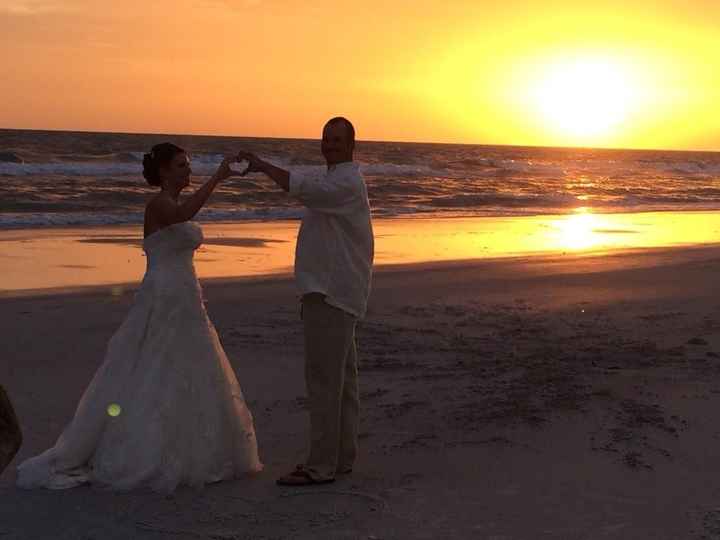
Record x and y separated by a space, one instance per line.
54 178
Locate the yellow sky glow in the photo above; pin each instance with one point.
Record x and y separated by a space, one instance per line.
613 74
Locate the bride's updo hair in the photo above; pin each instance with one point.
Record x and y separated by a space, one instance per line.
160 155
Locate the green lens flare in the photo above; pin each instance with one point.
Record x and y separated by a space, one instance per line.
114 409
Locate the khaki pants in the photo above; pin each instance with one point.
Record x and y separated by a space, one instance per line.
331 376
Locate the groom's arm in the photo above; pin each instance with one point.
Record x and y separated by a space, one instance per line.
280 176
331 197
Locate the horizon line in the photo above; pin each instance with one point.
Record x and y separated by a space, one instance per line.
439 143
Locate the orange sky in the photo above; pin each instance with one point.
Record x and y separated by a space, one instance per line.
619 74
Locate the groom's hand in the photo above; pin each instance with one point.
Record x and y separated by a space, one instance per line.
255 164
280 176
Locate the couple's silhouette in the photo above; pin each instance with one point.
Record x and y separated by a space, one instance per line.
165 408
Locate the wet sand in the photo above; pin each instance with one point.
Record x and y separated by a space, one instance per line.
58 258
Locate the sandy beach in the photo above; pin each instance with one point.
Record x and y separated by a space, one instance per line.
548 396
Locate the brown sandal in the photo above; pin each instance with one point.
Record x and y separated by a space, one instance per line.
301 477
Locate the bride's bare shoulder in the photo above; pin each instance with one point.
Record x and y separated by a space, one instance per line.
155 209
159 201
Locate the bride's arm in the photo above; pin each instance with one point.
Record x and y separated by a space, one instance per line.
167 211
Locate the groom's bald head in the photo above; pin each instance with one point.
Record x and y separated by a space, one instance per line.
349 128
338 140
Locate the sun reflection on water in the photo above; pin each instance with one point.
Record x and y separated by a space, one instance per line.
577 231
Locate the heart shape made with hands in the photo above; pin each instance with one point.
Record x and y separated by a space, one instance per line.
241 169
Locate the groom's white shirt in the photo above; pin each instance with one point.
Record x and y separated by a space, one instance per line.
335 247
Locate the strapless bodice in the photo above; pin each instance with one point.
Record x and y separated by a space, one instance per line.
172 246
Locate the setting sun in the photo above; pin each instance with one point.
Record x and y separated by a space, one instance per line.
585 97
609 74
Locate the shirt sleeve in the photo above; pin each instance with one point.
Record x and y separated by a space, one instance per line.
330 195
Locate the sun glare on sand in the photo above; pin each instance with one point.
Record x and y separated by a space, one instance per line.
585 97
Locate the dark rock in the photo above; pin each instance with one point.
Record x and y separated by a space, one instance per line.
10 157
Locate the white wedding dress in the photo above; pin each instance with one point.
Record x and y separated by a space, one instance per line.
164 408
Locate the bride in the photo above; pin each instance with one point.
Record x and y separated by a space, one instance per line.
164 408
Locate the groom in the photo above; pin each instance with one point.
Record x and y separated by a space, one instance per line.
333 267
